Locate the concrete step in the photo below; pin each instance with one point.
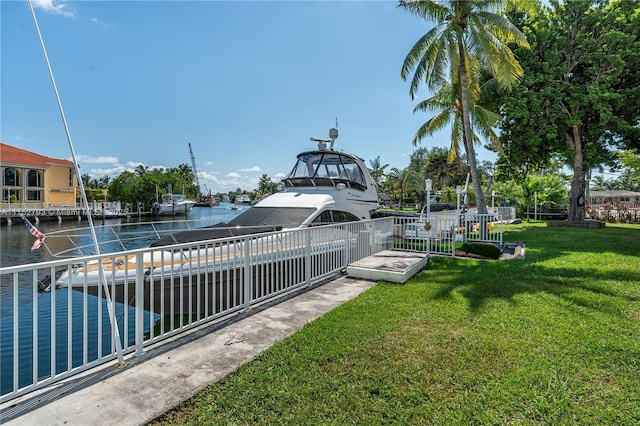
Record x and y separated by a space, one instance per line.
389 265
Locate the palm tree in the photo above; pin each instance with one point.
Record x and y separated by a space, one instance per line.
186 173
377 170
465 31
438 166
405 181
104 181
447 109
265 185
141 170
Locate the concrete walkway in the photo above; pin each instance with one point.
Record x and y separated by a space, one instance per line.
172 372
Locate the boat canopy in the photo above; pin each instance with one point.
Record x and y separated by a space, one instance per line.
326 168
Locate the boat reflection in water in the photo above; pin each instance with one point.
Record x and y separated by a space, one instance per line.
258 253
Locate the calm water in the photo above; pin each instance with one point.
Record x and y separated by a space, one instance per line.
15 245
16 241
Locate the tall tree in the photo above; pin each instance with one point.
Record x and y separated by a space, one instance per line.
405 181
376 169
446 108
582 77
141 170
465 31
266 185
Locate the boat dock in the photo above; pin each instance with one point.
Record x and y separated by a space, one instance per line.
13 215
149 385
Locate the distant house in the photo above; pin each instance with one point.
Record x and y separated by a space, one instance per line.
34 180
629 198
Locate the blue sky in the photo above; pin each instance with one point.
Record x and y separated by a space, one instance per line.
246 83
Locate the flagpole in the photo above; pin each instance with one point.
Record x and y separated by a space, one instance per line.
110 305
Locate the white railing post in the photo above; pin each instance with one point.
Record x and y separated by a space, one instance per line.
139 307
16 336
347 246
307 256
246 254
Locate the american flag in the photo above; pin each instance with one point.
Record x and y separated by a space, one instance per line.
34 231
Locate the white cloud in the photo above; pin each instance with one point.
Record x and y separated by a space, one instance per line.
100 23
133 164
54 7
233 175
97 160
251 169
109 171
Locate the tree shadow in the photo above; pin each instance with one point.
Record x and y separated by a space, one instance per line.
574 271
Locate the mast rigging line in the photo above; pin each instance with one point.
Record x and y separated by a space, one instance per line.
110 304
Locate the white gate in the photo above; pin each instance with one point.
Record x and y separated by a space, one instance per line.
439 234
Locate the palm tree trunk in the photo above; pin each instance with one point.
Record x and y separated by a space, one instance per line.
468 142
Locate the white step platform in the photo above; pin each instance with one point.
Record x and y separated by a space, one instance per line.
389 265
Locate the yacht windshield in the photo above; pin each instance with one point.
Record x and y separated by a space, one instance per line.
327 165
287 217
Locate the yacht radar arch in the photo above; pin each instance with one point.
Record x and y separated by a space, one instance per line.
322 143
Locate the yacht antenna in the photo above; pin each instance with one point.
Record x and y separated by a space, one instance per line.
110 305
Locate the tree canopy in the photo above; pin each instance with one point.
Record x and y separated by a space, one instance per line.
579 95
467 36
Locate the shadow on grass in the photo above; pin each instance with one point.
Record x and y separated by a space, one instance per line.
593 269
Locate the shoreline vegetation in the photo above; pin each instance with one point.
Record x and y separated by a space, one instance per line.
550 339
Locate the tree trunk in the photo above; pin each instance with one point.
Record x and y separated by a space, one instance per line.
578 184
468 141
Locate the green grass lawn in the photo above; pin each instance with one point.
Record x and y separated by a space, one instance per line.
551 339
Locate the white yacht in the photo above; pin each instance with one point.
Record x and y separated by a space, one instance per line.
324 187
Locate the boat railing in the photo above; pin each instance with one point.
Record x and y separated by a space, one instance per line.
113 237
158 292
75 242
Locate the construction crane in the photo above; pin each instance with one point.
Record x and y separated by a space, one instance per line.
195 169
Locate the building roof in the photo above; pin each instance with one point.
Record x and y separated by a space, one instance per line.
614 193
10 155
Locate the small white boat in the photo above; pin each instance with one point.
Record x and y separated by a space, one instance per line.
243 199
172 204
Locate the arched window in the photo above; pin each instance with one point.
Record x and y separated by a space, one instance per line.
10 177
34 178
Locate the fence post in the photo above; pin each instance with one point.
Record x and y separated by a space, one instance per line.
139 308
347 247
246 279
307 256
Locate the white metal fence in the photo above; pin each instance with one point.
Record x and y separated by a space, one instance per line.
440 233
48 336
159 292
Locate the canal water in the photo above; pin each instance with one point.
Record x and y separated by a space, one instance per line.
15 245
